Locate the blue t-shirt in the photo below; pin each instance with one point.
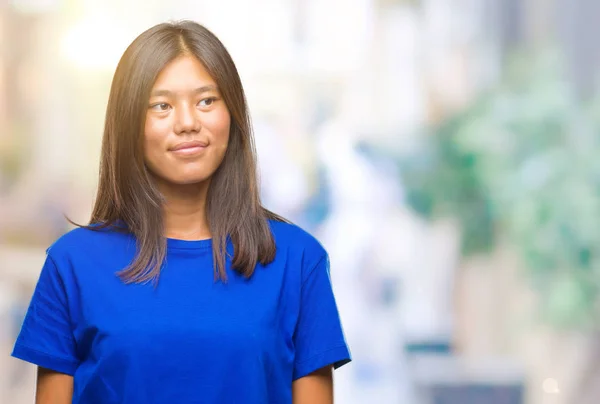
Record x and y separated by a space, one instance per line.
189 339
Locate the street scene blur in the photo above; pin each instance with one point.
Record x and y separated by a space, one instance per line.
445 153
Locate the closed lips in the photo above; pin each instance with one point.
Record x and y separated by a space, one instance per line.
189 145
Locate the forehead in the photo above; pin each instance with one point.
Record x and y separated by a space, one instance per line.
183 73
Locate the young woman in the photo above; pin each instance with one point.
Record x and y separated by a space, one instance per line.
183 288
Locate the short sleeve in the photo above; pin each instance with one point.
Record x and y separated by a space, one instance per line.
46 338
319 338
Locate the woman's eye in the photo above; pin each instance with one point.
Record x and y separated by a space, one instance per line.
207 102
161 107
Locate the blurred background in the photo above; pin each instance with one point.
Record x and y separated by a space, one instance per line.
445 152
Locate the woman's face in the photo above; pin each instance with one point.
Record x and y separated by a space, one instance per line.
187 124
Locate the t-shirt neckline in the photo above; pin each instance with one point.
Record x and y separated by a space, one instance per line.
173 243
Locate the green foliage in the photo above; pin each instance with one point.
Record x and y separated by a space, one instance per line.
523 163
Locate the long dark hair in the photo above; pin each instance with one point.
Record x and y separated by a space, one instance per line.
127 193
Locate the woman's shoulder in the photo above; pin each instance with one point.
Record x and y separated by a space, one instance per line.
289 235
82 239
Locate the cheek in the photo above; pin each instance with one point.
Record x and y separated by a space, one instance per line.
219 124
155 135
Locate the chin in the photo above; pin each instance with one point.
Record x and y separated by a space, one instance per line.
178 178
188 180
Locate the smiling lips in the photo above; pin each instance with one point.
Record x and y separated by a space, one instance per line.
189 148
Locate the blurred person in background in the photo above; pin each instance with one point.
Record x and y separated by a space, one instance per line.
183 288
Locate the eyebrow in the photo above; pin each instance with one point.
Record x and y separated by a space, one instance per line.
199 90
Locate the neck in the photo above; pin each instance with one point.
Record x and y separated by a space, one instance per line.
184 211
